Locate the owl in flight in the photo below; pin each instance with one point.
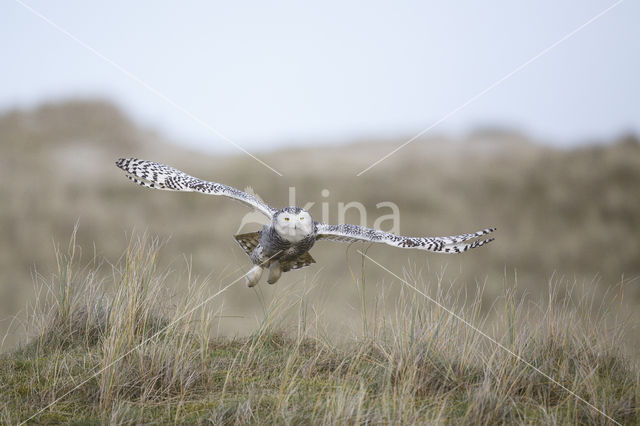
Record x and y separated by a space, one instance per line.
284 244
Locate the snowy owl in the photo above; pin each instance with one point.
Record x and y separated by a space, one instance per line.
284 244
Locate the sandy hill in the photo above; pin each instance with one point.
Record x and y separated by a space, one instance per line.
560 213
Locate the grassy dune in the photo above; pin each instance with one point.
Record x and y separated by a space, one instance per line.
562 215
169 333
111 344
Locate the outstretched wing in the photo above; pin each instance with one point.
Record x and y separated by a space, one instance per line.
160 176
451 244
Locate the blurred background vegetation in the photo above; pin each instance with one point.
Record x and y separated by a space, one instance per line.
569 217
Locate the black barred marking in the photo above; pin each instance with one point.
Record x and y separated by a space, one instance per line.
159 176
450 244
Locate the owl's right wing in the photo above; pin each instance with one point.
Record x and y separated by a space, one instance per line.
160 176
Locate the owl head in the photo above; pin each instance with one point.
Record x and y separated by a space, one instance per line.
293 223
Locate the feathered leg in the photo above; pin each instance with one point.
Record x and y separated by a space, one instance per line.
253 276
275 271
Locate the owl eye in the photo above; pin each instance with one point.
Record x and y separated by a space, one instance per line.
287 219
302 218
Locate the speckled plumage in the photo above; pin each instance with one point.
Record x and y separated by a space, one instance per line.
270 248
160 176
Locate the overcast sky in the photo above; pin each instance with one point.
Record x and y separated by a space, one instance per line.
266 74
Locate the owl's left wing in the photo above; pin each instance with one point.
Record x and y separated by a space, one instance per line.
160 176
450 244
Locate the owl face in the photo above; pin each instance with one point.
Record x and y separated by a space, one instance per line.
293 224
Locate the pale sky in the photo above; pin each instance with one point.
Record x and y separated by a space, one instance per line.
268 74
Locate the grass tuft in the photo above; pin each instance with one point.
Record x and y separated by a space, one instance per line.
119 348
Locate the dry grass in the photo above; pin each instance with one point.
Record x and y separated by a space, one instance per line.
573 214
119 338
113 345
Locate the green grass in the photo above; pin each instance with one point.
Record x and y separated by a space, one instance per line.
123 350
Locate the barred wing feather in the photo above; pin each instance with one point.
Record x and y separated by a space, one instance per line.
450 244
160 176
